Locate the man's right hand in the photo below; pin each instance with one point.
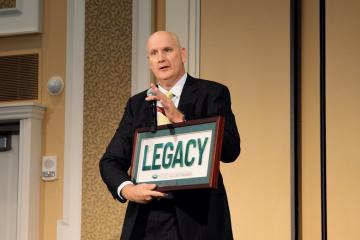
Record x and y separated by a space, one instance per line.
141 193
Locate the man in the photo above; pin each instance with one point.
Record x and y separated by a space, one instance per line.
201 214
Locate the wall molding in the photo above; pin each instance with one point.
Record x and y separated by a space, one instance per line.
30 116
141 30
69 227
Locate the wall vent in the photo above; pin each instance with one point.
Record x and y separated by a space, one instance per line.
19 77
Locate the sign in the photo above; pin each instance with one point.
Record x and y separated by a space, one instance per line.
179 156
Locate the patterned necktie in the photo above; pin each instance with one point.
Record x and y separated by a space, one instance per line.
161 116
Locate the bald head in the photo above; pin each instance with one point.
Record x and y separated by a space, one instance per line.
166 58
165 34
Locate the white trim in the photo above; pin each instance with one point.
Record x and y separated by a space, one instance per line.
183 18
141 29
70 226
194 38
11 111
30 116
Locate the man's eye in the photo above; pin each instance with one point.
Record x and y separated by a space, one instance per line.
168 49
153 53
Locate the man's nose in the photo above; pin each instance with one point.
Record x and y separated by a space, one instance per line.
161 57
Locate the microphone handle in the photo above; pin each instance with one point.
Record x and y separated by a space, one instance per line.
154 116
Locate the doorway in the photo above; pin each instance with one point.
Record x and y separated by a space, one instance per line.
9 179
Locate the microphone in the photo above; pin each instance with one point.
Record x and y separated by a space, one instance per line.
153 110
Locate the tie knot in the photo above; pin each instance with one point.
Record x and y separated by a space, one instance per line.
170 95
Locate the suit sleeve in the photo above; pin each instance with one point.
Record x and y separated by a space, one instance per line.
220 104
116 161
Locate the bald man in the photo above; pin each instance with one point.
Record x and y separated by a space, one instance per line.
199 214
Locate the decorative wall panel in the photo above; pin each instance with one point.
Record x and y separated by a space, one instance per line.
7 4
107 87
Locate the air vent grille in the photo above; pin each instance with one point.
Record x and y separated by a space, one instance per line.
19 77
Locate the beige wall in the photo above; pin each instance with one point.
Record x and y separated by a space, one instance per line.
53 63
343 118
51 45
245 45
20 43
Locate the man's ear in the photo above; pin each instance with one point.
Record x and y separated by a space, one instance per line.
183 54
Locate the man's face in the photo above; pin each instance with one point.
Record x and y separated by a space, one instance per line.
166 58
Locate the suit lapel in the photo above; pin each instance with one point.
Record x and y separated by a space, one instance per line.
188 97
145 112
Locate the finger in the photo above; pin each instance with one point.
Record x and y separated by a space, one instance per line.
157 194
149 186
157 91
152 98
154 89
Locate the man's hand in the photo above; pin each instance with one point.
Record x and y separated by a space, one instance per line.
141 193
172 113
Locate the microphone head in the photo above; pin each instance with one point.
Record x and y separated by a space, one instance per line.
150 92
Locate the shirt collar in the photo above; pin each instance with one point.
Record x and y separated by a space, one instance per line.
177 88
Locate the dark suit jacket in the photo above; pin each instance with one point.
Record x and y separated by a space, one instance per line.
201 213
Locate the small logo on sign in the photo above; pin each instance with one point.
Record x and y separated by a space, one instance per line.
155 176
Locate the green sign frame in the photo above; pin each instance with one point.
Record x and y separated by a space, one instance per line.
178 156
